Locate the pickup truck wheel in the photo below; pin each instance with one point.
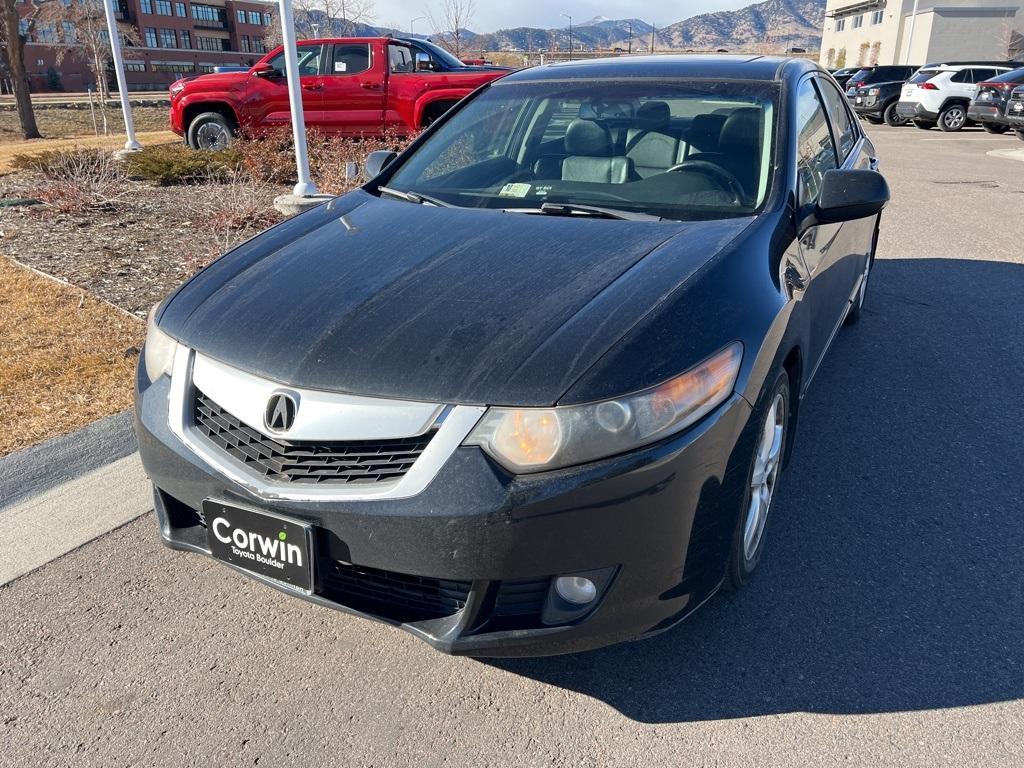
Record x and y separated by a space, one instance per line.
924 125
211 131
995 128
890 116
952 118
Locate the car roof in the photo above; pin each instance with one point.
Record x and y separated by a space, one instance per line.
700 66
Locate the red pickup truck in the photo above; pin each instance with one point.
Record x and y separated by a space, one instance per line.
356 86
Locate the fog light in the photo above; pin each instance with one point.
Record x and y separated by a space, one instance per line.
575 589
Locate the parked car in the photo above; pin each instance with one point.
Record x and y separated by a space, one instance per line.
1015 111
350 86
989 105
874 91
844 74
939 94
458 399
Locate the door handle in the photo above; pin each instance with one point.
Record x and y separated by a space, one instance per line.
370 86
312 87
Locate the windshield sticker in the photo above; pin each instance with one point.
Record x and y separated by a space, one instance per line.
542 191
340 66
515 190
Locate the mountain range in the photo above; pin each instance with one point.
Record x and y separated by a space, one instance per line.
772 25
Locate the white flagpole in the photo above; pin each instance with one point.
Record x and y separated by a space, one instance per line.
305 187
122 85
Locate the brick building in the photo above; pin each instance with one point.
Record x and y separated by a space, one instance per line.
178 38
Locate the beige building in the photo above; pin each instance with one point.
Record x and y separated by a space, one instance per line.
868 32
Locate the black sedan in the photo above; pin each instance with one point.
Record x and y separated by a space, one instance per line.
989 104
531 388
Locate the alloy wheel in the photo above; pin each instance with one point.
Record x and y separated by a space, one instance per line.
767 464
954 118
212 136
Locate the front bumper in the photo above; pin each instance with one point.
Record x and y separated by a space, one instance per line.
866 105
915 110
658 522
1015 117
986 113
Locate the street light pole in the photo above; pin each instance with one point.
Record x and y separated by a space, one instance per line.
305 187
132 143
413 21
910 34
569 17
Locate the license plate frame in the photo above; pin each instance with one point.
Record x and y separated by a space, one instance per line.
267 544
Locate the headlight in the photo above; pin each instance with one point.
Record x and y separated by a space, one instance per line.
534 439
872 92
158 351
177 87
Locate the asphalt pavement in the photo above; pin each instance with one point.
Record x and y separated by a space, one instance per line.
884 627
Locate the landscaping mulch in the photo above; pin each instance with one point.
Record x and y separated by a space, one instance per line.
132 254
67 358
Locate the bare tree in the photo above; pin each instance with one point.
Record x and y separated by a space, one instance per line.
1010 42
82 26
876 49
451 22
322 18
13 43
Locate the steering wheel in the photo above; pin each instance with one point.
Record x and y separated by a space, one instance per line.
715 172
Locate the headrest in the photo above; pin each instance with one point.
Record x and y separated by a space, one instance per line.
654 115
741 130
585 137
705 130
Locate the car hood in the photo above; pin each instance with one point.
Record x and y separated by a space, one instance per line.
383 297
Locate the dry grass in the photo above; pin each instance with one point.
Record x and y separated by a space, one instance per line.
9 150
68 358
68 123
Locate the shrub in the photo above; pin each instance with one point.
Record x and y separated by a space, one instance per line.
168 164
75 180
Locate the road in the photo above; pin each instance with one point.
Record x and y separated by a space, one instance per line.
885 626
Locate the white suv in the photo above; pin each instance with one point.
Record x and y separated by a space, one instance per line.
938 94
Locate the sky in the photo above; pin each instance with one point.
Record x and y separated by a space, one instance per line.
491 15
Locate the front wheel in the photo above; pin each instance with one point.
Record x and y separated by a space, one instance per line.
995 127
952 118
766 466
891 118
211 131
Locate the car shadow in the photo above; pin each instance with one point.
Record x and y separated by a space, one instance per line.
892 579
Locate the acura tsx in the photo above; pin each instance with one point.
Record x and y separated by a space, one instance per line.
530 389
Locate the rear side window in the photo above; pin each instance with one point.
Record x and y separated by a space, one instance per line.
842 123
981 75
887 74
350 59
924 75
963 76
815 151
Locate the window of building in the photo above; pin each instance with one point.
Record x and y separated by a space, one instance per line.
70 33
350 59
858 21
840 25
876 18
205 68
211 44
150 36
46 33
167 39
258 46
163 8
23 25
186 38
208 13
176 67
179 10
266 19
147 6
134 66
254 17
240 17
245 44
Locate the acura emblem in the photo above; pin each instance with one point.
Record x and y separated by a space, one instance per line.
280 415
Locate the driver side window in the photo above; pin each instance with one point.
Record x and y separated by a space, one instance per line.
308 60
815 150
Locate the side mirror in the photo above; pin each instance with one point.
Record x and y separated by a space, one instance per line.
377 162
263 69
849 195
424 63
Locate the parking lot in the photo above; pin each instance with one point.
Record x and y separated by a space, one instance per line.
883 627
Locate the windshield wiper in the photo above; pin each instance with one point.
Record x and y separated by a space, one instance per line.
572 209
414 197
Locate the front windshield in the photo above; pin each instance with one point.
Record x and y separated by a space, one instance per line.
677 150
439 53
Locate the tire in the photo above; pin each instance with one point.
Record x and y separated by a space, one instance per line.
952 118
924 124
748 538
873 120
211 131
995 128
891 118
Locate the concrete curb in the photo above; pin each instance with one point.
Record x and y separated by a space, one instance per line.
1009 154
37 469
